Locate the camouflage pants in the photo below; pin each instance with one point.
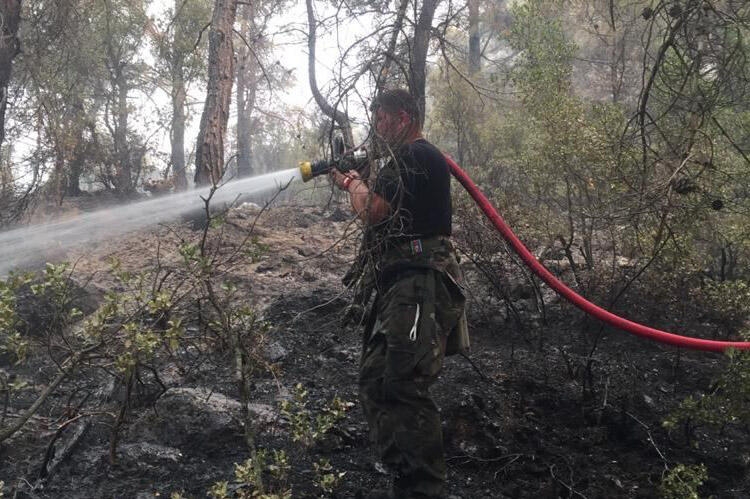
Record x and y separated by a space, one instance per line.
404 346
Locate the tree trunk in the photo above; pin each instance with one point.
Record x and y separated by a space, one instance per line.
124 174
209 153
178 123
332 112
75 168
390 54
59 171
246 88
474 49
10 16
422 32
7 182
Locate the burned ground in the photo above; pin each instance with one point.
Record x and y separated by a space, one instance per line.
538 409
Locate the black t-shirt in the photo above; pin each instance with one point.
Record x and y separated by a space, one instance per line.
416 183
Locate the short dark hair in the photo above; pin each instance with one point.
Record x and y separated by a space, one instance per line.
397 99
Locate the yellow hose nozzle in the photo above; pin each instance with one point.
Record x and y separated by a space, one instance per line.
305 169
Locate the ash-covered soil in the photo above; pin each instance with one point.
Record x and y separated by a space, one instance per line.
550 405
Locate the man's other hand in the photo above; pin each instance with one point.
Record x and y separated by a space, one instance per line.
343 180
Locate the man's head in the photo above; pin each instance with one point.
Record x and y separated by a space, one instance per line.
396 116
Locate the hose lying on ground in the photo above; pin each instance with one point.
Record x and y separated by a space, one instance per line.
570 295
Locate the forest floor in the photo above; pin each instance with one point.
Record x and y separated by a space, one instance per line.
551 406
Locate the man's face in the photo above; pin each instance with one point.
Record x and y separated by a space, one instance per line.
391 127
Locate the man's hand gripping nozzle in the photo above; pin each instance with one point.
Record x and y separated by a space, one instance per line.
342 160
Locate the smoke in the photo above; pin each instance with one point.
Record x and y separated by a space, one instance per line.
22 246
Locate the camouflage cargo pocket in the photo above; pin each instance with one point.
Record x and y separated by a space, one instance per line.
409 323
450 301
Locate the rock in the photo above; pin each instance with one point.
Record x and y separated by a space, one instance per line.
150 454
623 262
342 354
649 401
263 414
308 276
381 468
248 206
307 251
39 314
266 266
274 352
194 417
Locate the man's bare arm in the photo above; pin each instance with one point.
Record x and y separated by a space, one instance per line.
370 207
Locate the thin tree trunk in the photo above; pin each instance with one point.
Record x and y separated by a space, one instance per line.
124 177
246 88
7 182
10 17
81 151
59 172
209 154
390 54
178 123
334 113
474 49
422 32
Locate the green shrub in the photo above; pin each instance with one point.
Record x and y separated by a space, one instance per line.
262 476
682 482
306 428
728 302
726 403
326 478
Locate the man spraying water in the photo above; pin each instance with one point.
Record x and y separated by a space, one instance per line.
418 311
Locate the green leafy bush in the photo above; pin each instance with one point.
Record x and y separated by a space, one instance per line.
682 482
306 427
262 476
726 403
326 478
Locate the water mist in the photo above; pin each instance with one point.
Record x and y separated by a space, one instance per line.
19 247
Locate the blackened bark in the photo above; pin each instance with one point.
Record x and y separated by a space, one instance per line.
209 154
10 12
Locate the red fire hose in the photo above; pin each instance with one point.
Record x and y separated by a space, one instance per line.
572 296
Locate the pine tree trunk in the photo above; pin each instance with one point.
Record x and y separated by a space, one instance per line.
209 154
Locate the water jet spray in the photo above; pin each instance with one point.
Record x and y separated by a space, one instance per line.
28 245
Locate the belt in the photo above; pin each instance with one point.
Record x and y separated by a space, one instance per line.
418 246
409 257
